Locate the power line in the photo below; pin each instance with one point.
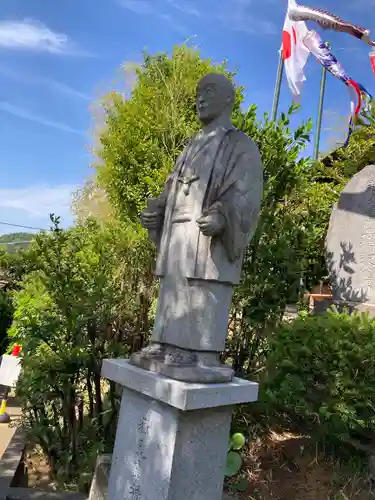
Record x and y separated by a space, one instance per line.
23 227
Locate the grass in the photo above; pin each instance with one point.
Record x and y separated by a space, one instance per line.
286 466
278 465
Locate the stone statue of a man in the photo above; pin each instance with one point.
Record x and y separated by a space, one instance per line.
201 224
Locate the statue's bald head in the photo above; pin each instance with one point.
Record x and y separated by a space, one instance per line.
215 96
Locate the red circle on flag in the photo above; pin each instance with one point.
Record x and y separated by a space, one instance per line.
287 45
372 59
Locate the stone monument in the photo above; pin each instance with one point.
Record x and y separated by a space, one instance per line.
177 399
201 224
350 243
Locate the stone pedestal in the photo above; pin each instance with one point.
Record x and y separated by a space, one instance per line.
172 436
343 305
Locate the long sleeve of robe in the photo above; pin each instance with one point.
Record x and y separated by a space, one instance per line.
237 195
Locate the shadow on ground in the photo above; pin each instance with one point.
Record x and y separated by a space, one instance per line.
284 466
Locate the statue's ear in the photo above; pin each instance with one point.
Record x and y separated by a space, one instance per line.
230 100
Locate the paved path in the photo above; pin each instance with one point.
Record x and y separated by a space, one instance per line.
7 430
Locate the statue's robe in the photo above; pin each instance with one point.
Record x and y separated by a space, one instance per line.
218 172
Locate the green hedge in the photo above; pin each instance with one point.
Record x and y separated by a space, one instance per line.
321 372
6 314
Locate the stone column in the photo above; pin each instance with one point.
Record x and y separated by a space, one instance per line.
172 436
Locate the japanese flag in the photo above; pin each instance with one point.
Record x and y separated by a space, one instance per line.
295 52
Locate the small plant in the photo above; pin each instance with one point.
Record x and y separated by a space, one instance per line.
234 461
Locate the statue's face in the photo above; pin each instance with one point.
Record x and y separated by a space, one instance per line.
210 101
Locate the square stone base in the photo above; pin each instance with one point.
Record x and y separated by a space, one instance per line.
99 486
172 436
323 305
181 395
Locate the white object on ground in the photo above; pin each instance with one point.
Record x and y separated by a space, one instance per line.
9 370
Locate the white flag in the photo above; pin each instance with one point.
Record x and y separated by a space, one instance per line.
295 52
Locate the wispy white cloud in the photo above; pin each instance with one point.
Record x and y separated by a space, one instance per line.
137 6
39 200
236 15
63 88
27 115
185 7
34 36
239 16
145 7
31 79
180 28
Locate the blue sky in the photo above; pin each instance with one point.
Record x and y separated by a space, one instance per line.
58 57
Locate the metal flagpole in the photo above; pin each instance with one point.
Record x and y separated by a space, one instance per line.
279 78
320 112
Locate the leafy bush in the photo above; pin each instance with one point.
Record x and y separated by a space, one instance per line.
6 315
360 152
321 372
75 307
287 248
12 268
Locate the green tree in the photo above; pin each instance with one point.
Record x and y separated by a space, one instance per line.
75 307
15 241
143 135
91 201
12 267
286 254
346 161
6 316
141 139
137 148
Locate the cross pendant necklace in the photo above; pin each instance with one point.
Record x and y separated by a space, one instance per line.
187 182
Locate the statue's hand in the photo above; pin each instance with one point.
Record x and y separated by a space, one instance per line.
211 224
152 215
150 220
